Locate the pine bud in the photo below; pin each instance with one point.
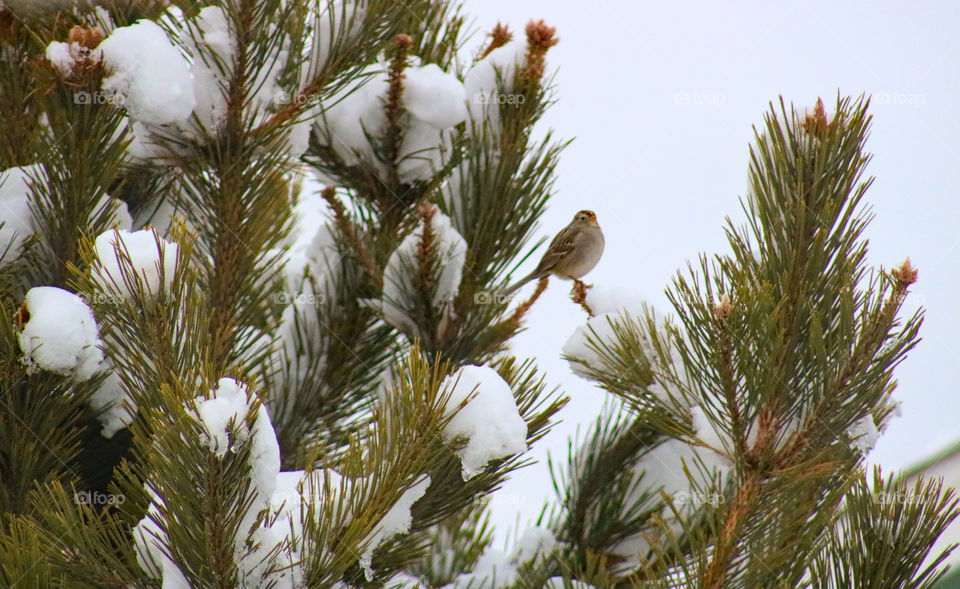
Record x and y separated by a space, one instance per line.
88 38
499 36
722 309
905 275
540 38
816 122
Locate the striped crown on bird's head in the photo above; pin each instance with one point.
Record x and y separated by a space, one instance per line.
585 215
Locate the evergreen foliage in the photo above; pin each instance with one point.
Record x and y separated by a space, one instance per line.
776 361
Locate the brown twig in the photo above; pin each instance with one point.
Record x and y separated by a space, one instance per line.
518 314
727 372
349 232
726 546
504 329
426 250
766 433
393 107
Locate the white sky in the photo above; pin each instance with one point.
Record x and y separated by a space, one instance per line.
661 98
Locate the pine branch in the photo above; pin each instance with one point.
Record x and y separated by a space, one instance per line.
886 530
70 196
394 110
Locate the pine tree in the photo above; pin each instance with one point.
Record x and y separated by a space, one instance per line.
208 383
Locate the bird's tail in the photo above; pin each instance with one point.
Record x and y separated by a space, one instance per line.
520 283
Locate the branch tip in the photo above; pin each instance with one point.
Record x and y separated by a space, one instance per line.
88 38
540 38
499 36
905 275
722 309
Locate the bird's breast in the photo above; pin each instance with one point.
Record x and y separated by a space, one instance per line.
592 248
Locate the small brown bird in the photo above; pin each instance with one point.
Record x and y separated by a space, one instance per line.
572 253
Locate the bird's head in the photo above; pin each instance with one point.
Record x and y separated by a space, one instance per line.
585 217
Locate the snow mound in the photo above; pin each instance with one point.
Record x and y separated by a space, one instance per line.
151 257
434 101
148 74
490 421
15 215
61 334
115 408
396 521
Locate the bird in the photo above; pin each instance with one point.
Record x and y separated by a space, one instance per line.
572 253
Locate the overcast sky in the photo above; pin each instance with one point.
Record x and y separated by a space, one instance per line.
661 99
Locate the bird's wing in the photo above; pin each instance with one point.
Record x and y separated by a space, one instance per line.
562 244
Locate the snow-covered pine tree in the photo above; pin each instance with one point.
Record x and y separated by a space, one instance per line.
733 452
218 373
251 250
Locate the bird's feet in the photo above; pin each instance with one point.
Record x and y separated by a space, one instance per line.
579 295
